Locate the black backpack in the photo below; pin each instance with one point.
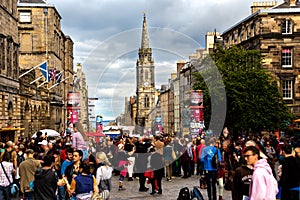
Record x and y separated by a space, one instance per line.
20 158
184 194
196 194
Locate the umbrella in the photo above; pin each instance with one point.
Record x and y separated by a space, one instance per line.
96 134
50 133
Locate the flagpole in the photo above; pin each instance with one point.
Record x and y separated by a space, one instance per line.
31 69
58 83
36 79
42 84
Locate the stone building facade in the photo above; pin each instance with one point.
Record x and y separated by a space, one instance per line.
43 104
81 87
273 29
10 99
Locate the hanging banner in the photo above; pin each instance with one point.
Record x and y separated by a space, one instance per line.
73 116
196 113
73 101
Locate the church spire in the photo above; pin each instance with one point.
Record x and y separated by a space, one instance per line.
145 37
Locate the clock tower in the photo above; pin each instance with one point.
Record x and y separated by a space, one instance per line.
145 83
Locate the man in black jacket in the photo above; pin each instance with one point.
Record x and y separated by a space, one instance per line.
45 180
141 149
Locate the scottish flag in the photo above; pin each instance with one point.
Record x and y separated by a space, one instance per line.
45 71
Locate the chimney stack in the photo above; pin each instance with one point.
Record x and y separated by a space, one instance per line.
261 5
180 64
291 2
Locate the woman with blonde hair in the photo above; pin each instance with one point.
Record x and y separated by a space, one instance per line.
103 175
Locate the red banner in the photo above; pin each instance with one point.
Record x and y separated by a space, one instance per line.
73 116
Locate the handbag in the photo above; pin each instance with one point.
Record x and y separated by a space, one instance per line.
13 187
104 188
97 196
84 196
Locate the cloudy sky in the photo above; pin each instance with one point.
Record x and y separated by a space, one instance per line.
107 35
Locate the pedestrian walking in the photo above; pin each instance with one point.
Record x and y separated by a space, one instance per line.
208 153
168 151
27 170
103 175
141 154
122 157
290 176
241 182
79 141
263 184
129 147
45 180
83 185
157 165
6 178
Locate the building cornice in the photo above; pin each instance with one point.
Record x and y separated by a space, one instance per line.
264 12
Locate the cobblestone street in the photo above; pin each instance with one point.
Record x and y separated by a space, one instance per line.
170 189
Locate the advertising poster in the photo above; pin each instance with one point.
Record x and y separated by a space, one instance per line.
196 113
73 100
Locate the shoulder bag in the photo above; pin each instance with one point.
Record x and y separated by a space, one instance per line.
13 187
104 186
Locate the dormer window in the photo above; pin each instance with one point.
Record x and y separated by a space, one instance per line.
287 26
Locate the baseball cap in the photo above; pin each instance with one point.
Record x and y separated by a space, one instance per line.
44 142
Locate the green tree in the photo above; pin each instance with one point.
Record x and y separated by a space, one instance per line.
253 101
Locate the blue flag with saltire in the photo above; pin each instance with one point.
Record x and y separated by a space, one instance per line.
45 71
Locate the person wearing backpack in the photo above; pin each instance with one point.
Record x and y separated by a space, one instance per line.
208 156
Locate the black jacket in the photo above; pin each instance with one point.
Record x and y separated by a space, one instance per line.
241 182
45 184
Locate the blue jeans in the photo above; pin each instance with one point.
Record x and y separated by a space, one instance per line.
61 193
29 195
5 193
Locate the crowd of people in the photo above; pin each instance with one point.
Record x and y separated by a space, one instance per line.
78 167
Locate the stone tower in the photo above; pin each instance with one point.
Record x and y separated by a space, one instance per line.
145 83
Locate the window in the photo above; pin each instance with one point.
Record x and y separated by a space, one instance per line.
286 57
25 16
287 89
287 27
146 102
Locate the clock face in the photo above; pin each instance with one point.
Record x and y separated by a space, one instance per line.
146 83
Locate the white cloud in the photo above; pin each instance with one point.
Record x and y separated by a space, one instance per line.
107 35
